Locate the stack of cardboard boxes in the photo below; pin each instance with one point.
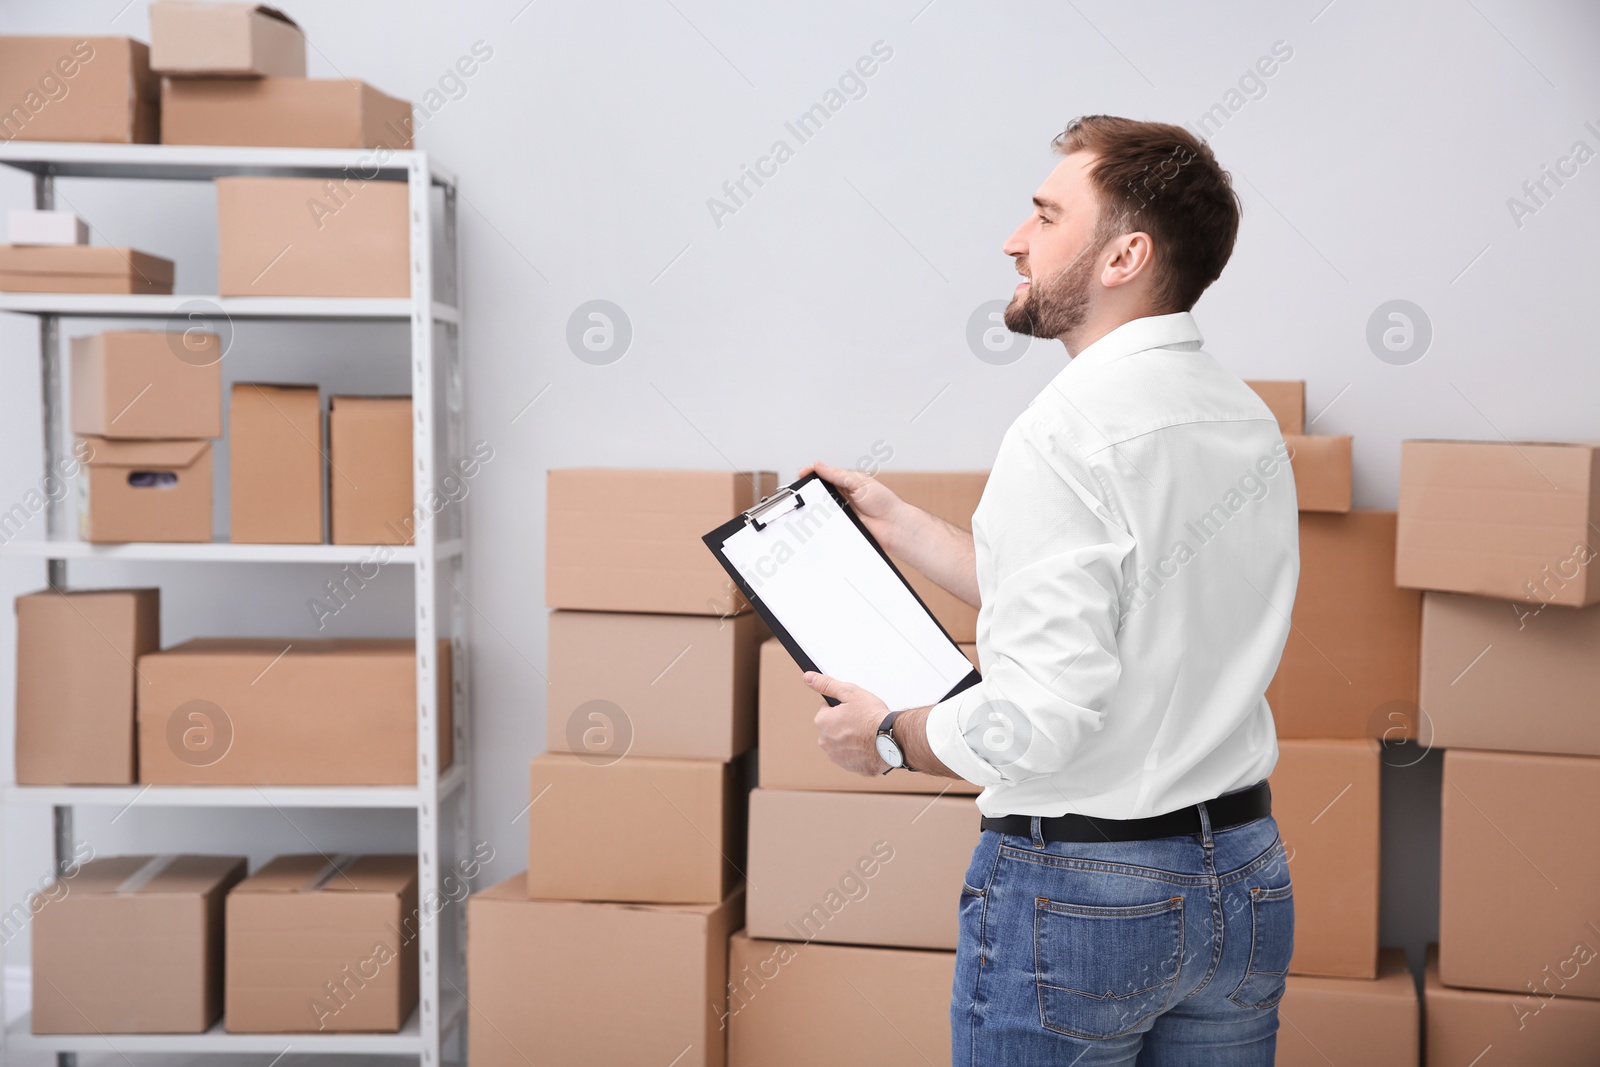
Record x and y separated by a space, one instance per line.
636 812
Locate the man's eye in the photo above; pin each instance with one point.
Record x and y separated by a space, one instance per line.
1044 221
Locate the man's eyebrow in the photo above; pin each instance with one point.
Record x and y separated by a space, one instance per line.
1048 205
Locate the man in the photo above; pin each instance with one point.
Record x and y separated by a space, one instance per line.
1134 560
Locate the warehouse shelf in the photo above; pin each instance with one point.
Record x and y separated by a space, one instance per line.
220 552
187 308
206 162
221 796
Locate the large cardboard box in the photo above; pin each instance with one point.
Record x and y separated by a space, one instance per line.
1504 674
1519 873
1512 519
571 984
951 496
133 945
323 946
145 490
1522 1029
369 470
76 653
1325 797
685 829
147 383
630 540
283 112
313 237
83 269
858 868
1349 666
883 1006
286 711
788 754
224 39
1321 471
630 684
1352 1022
275 464
77 89
1287 401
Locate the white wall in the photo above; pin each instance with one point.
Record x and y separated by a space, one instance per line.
829 312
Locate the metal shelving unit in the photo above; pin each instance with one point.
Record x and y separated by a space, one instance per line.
441 801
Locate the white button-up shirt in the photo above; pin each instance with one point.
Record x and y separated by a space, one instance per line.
1137 550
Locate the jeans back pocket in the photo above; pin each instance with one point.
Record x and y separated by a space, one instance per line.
1102 971
1271 945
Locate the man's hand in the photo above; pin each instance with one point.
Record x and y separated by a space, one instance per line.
846 731
884 514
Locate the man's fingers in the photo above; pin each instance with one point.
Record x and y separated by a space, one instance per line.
829 687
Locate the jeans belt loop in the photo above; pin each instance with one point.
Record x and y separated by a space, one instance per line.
1205 824
1038 831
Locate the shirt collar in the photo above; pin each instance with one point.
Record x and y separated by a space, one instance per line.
1177 330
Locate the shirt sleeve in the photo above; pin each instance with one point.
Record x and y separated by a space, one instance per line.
1056 551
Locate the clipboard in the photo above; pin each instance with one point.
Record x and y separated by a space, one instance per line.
830 594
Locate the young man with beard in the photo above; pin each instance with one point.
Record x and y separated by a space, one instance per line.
1134 560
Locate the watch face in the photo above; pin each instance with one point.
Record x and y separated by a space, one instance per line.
890 751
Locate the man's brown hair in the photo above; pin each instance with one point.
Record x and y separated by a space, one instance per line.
1162 180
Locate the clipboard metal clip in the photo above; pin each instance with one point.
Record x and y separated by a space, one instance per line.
786 495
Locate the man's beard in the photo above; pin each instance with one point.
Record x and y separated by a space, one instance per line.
1058 305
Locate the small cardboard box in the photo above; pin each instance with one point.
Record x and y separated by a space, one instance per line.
1519 873
133 945
883 1006
1325 798
1536 1029
1512 519
686 823
147 384
369 470
680 686
289 711
75 683
283 112
145 490
1349 666
1287 401
1374 1023
788 754
224 39
83 269
630 540
320 946
24 227
313 237
951 496
548 979
275 464
78 89
858 868
1321 471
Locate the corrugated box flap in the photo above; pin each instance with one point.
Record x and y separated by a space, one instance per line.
314 872
291 647
164 455
375 874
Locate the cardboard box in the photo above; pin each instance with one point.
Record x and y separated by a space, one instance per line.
77 89
685 829
884 1006
83 269
283 112
145 490
858 868
250 40
627 684
1325 797
24 227
1352 1022
133 945
1519 873
147 384
1507 675
789 756
369 470
629 540
1321 471
1523 1029
951 496
1510 519
569 984
286 711
313 237
275 464
320 946
1287 401
1350 664
76 653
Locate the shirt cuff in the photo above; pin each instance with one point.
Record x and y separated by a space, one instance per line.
948 743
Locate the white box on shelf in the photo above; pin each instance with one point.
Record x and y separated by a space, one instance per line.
26 227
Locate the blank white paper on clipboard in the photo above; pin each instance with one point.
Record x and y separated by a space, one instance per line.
840 600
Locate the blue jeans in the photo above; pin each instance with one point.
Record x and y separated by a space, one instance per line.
1163 953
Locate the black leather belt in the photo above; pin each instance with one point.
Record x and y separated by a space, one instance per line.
1230 809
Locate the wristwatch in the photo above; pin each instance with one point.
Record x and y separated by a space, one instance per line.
888 747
